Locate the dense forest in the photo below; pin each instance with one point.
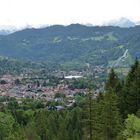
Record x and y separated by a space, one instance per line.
73 45
112 115
16 67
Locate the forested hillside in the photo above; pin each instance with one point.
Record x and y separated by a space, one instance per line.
112 115
73 44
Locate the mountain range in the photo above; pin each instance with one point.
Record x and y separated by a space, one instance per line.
73 45
122 22
4 32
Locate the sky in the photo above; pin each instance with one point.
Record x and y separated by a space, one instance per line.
36 13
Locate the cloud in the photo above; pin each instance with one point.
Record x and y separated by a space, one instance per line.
36 12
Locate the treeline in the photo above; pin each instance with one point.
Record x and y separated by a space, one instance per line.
16 67
113 115
32 121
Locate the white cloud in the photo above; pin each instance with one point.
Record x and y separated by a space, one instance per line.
35 12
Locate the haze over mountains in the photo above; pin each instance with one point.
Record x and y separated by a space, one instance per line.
121 22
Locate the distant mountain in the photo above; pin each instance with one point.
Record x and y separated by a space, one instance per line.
138 23
73 45
4 32
122 22
89 24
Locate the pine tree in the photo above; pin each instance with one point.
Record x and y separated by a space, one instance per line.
132 73
113 82
109 120
131 91
74 125
105 118
88 113
96 117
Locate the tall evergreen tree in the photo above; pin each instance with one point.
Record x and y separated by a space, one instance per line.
106 119
74 125
88 113
113 82
131 91
132 73
110 117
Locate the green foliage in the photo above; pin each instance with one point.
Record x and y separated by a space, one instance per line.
6 125
31 132
111 37
12 105
94 117
111 117
23 117
80 100
60 95
132 128
131 91
3 82
79 84
107 119
113 82
70 45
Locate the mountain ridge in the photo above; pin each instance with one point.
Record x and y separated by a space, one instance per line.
73 44
122 22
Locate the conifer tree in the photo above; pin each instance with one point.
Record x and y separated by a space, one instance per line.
132 73
74 126
88 113
113 82
110 117
106 119
130 101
